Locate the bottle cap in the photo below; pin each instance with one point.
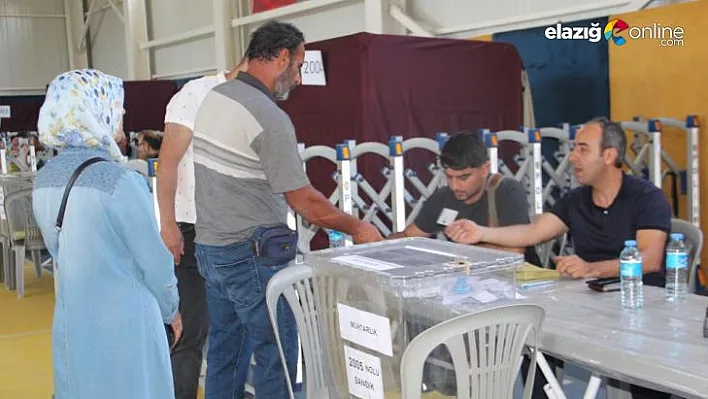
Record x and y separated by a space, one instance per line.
677 236
630 243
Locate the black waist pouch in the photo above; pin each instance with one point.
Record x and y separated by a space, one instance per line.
275 245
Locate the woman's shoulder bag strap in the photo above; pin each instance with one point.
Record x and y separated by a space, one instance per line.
72 179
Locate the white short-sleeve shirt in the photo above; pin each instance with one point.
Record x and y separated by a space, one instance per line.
182 109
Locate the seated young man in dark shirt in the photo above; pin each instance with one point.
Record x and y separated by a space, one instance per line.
608 209
472 193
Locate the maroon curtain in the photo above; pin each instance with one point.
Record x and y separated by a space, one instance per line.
24 112
379 86
145 103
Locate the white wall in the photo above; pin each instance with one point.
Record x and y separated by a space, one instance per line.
337 21
107 37
34 50
33 45
172 17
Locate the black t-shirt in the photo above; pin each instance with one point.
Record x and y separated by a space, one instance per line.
511 204
598 233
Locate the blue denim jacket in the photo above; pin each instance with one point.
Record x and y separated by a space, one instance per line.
116 281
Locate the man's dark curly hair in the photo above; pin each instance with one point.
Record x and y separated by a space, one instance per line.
269 39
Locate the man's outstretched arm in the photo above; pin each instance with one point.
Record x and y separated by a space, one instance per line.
316 209
410 231
544 228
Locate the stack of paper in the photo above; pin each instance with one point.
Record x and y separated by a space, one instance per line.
529 272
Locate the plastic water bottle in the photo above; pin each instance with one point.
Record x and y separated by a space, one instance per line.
336 239
676 268
631 286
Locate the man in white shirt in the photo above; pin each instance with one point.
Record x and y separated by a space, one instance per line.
175 195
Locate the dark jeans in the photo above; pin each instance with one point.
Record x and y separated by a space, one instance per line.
236 283
187 355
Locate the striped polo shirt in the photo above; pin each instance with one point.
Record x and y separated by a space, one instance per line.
245 158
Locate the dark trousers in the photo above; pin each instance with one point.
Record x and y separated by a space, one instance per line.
187 356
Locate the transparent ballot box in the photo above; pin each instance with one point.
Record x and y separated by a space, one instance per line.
374 299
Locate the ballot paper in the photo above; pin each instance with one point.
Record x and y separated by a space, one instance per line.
447 216
478 291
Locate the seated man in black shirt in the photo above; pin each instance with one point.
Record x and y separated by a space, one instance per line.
472 193
609 208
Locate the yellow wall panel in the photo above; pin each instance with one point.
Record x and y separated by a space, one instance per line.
483 38
651 80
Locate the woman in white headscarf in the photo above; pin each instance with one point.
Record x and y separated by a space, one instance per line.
116 282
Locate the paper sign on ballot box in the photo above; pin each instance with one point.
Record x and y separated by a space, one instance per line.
363 374
366 329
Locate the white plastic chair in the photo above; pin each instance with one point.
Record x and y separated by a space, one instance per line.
294 283
486 350
25 235
694 239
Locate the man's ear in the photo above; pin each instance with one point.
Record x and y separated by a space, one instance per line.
609 155
283 59
486 168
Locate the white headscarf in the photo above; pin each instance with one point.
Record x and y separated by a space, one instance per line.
83 108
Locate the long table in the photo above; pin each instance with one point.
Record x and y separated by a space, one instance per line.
660 346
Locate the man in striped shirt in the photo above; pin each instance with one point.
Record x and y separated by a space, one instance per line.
248 170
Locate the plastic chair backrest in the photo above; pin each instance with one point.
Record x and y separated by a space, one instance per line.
486 349
8 187
294 283
694 239
21 221
15 210
138 165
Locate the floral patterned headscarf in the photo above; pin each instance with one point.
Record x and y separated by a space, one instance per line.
83 108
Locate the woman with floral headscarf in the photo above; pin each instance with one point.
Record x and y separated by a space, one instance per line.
116 282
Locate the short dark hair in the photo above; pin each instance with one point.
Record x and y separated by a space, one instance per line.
613 136
270 38
152 138
464 150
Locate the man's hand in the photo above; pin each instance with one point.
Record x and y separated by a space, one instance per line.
464 231
172 237
177 328
574 267
366 233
